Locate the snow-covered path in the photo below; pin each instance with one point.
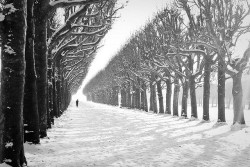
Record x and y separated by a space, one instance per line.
101 135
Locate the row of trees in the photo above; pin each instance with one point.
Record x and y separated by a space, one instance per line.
47 47
185 46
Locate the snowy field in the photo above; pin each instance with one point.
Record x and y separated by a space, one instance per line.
103 136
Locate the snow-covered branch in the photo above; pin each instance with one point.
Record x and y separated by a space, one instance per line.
57 35
90 33
67 3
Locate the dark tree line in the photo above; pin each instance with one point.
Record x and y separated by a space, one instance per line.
181 48
46 48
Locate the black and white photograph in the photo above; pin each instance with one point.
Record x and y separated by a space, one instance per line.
124 83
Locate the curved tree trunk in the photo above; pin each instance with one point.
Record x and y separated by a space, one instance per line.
237 99
31 116
13 36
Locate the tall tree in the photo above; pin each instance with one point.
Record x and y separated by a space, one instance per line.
31 116
40 16
13 31
238 65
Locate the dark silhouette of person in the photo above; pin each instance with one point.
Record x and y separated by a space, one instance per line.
77 101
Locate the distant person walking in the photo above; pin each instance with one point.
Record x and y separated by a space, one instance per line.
77 101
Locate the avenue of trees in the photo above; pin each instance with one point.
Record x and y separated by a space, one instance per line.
46 48
184 47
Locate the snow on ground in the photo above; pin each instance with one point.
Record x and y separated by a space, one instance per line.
101 135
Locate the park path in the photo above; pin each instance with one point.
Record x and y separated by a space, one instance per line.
102 136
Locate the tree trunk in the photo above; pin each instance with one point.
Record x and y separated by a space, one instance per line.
151 97
106 97
55 109
13 31
155 108
41 61
193 97
192 88
144 97
176 97
93 98
59 89
109 91
160 97
62 97
50 91
184 99
128 102
133 96
123 97
113 96
58 92
237 99
50 110
30 110
102 97
138 97
142 104
206 89
153 100
116 96
168 96
221 91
